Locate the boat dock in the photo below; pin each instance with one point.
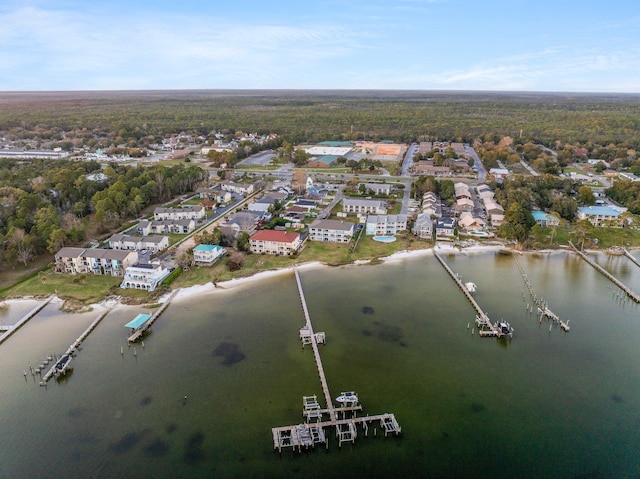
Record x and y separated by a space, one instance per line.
308 434
628 291
139 331
9 330
542 307
62 364
631 257
482 321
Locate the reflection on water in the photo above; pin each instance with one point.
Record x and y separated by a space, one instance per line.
200 399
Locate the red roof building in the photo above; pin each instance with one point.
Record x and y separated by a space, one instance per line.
275 242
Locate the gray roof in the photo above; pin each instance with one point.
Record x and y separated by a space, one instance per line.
332 225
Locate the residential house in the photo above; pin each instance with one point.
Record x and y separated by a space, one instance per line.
238 188
378 188
93 261
153 244
445 227
464 204
144 275
275 242
262 204
470 223
462 191
493 207
179 213
222 197
545 219
207 253
602 215
332 231
423 226
385 225
364 207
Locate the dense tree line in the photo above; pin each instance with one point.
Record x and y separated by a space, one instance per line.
626 193
46 204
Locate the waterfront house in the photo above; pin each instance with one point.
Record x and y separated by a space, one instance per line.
545 219
445 227
93 261
274 242
144 275
385 225
423 226
602 215
333 231
207 253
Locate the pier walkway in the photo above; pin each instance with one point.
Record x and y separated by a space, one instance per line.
12 329
485 328
631 257
628 291
308 434
62 364
137 334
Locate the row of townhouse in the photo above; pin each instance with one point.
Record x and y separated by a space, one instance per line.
153 244
385 225
146 227
279 243
364 206
196 213
333 231
93 261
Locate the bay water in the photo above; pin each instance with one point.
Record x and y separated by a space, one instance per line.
220 369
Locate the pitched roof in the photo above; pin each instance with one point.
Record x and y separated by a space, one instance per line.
275 236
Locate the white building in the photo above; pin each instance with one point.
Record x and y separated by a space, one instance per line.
332 231
423 226
153 244
207 253
385 225
366 207
94 261
145 276
602 215
180 213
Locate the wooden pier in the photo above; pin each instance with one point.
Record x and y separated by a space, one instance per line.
631 257
542 307
308 434
482 321
62 364
12 329
628 291
139 331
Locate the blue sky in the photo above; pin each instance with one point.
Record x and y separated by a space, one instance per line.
513 45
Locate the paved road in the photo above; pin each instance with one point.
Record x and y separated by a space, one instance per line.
261 159
482 172
407 163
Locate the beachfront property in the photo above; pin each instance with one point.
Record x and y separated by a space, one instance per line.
93 261
431 204
245 222
282 243
144 275
469 222
545 219
153 244
445 227
363 206
207 254
146 227
602 215
332 231
179 213
385 225
238 188
423 226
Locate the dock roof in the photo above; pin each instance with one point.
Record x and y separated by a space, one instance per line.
138 321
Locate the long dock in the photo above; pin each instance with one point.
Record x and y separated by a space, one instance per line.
62 364
12 329
485 327
137 334
631 257
628 291
308 434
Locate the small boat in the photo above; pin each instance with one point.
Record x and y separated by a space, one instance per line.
504 329
471 287
348 397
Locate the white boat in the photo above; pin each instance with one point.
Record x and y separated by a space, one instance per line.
471 287
348 397
504 329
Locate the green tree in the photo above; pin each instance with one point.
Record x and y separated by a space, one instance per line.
517 224
586 196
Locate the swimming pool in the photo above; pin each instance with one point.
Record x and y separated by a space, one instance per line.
384 239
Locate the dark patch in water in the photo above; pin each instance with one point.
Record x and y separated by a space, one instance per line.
391 334
193 452
617 398
157 448
76 412
368 310
171 428
127 441
146 400
403 344
230 352
366 332
477 407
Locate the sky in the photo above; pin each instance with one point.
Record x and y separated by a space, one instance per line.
488 45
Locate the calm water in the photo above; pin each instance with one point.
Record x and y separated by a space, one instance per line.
546 404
